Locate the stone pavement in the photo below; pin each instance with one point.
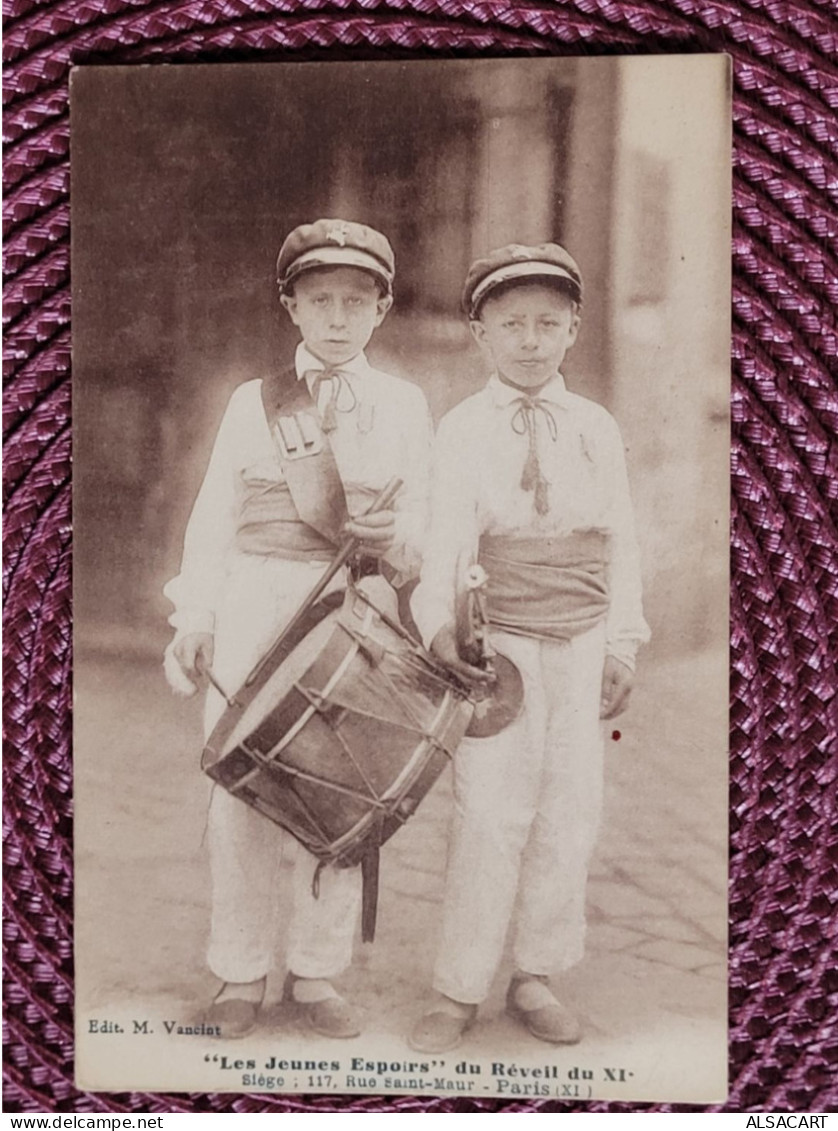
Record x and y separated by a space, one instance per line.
651 987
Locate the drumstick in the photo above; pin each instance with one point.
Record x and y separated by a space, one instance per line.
345 551
208 672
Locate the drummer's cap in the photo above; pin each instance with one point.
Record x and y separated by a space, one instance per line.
516 263
336 243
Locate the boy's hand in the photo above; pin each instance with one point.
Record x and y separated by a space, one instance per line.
376 532
194 654
617 682
444 645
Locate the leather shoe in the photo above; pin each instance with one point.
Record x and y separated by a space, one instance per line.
530 1001
233 1016
320 1006
443 1027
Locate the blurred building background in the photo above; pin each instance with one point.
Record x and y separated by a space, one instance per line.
186 180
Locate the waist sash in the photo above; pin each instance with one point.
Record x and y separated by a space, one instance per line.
270 524
551 588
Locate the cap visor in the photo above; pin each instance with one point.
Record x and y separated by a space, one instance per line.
338 257
515 271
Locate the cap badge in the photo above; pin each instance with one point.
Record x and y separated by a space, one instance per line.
517 251
338 233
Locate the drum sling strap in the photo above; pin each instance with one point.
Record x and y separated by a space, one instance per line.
308 462
316 488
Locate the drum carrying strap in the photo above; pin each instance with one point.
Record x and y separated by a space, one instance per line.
369 865
308 462
369 889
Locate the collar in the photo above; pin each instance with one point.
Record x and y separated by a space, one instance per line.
306 362
555 391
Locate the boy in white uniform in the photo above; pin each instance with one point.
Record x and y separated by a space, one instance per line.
249 560
529 481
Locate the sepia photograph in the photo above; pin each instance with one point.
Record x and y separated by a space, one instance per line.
401 504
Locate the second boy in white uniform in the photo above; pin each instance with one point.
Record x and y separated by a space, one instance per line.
529 481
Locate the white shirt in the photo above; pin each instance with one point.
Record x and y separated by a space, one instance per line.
383 430
478 464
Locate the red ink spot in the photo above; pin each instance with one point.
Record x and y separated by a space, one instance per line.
615 734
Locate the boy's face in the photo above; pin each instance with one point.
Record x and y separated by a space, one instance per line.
336 310
527 331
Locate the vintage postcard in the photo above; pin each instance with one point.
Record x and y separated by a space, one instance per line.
401 509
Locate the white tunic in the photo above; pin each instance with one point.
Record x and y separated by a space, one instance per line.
383 430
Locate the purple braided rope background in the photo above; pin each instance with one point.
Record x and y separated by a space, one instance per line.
784 846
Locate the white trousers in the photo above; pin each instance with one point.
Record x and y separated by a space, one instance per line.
246 848
527 810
